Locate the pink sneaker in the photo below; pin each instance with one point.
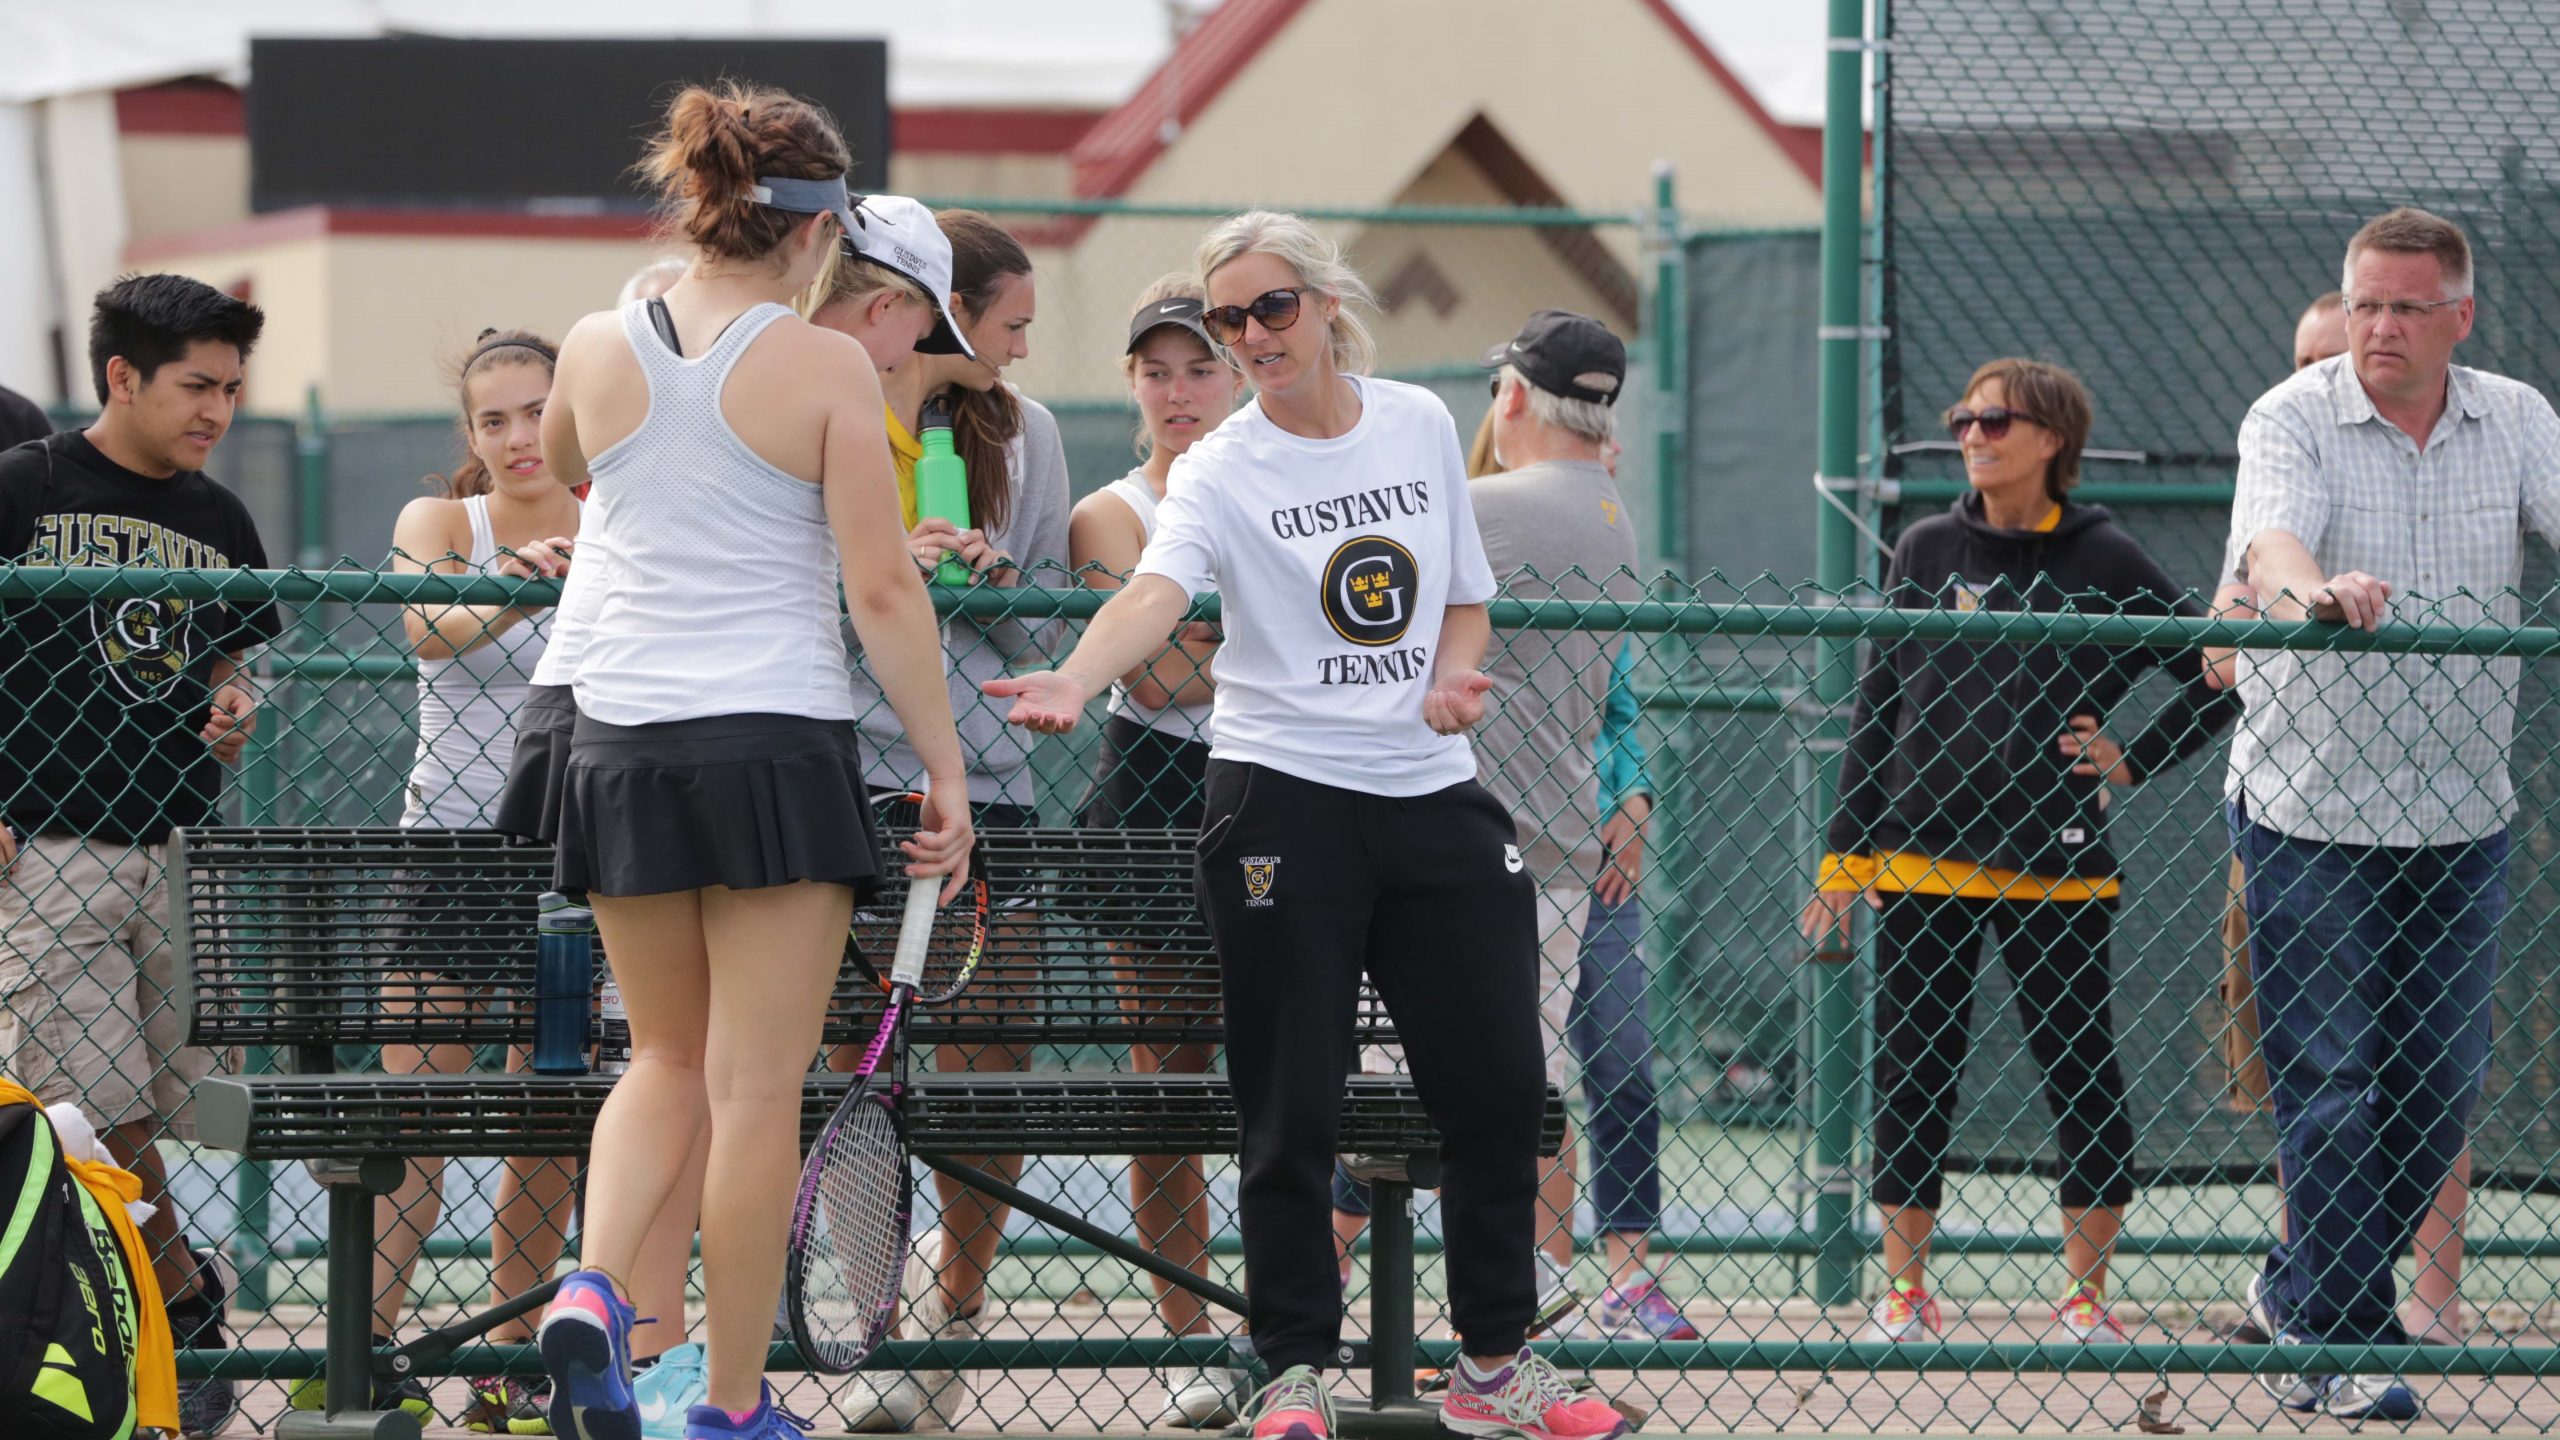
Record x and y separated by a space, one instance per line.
1528 1399
1643 1309
2083 1317
1903 1316
1294 1406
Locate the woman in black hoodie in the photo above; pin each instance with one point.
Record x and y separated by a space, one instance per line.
1972 798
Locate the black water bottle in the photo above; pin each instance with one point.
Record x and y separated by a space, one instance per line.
564 986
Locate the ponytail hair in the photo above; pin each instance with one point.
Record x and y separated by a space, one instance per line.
717 142
492 349
983 422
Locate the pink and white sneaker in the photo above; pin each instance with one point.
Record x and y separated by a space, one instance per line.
1294 1406
1642 1309
1528 1399
2083 1316
1903 1316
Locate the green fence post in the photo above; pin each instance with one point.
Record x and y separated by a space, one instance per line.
262 785
1834 1038
1669 384
254 1184
311 508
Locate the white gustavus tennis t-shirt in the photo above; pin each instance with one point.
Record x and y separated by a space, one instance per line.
1333 560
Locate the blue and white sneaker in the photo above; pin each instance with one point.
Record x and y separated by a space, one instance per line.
2301 1393
667 1390
2370 1397
586 1345
769 1421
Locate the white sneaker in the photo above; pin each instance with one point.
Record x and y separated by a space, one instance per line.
1205 1398
879 1402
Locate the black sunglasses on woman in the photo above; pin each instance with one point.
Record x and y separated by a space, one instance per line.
1276 309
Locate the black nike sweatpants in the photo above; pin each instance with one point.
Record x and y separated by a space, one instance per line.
1305 886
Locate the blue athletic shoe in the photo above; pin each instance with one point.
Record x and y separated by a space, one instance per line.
2371 1397
667 1390
586 1345
768 1422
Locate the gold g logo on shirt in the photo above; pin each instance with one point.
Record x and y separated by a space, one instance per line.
143 643
1368 591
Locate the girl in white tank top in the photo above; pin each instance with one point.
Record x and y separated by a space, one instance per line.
1183 389
474 662
713 806
1155 751
467 708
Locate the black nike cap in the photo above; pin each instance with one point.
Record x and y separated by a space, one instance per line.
1180 310
1566 354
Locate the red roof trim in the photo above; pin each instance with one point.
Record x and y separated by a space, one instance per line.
988 130
182 107
313 221
1805 143
1121 145
1788 138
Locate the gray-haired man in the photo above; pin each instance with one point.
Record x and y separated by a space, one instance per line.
2373 790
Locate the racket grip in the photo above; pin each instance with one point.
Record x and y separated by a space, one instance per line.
915 931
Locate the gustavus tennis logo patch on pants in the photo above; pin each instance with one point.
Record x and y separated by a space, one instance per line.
1259 873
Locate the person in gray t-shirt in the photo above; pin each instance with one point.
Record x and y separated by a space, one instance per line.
1554 527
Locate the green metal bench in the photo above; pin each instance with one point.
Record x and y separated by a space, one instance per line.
289 937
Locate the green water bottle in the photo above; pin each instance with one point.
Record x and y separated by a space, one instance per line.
942 486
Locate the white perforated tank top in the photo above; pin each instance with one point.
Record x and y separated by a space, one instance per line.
467 708
720 576
575 615
1180 722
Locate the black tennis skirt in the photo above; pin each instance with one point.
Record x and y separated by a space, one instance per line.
529 807
745 801
1150 779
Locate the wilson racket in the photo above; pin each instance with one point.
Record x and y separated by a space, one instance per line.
849 1227
959 938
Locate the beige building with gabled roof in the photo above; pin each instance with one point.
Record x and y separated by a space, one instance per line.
1321 104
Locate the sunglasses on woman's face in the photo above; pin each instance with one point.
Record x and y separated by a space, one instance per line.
1995 421
1276 309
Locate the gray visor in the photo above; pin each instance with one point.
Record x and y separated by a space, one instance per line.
806 197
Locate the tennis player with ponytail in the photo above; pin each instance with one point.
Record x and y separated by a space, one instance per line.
1344 829
714 809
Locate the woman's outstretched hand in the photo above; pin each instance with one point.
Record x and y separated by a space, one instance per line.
1047 702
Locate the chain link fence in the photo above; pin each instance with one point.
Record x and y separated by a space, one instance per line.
2145 193
1711 688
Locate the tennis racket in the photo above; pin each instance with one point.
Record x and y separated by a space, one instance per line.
959 938
850 1222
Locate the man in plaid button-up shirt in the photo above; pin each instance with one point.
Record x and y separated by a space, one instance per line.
2387 483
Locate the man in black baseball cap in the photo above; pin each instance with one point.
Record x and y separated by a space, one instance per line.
1567 355
1555 527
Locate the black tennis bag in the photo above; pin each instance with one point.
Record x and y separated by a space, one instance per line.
67 1306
